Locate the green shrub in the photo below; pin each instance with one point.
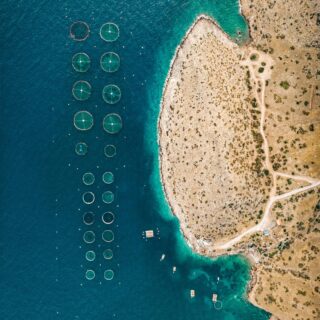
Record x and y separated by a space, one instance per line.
285 85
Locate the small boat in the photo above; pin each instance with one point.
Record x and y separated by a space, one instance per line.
162 257
192 293
149 233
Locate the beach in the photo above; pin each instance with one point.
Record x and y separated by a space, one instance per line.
237 139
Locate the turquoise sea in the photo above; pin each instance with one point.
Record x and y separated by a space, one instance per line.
42 252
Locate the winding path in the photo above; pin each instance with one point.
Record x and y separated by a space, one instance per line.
266 221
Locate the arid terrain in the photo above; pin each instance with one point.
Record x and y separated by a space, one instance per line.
239 149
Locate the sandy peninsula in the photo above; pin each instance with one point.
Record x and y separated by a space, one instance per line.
239 149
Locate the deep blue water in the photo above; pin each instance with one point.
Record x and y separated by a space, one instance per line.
42 262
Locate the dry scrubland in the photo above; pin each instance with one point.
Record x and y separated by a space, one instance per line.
202 116
287 276
239 135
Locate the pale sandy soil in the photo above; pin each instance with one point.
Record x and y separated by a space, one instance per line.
288 184
287 277
199 134
239 148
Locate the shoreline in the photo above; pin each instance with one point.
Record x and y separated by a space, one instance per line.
200 175
159 129
188 237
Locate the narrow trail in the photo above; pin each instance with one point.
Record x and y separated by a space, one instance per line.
264 223
260 79
294 177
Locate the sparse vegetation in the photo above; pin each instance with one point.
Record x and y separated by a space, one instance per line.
285 85
253 57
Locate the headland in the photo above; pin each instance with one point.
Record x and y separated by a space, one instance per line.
238 133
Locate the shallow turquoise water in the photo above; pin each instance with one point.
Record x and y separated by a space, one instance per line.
42 253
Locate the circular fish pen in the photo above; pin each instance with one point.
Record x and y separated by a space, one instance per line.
88 197
83 120
110 62
108 254
112 123
88 218
109 32
90 255
111 94
81 90
81 149
79 31
218 305
89 237
110 150
107 236
108 177
108 274
90 274
81 62
88 178
108 197
108 217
